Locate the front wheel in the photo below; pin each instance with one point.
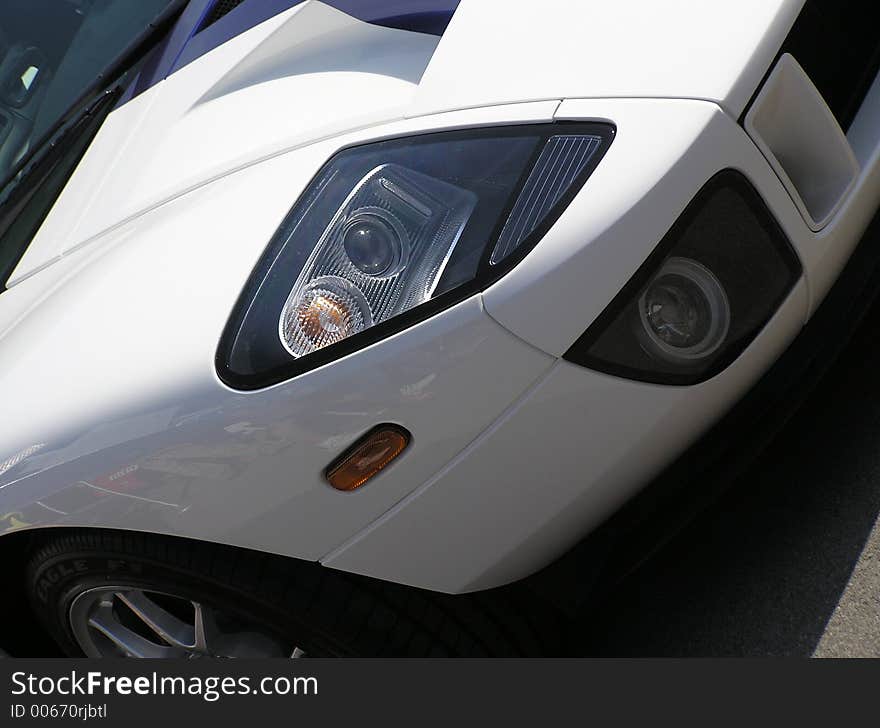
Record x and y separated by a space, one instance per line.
120 594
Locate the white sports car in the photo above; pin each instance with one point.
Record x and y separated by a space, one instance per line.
333 327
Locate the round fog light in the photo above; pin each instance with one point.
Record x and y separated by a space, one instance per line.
684 311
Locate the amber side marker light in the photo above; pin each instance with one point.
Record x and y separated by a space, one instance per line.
367 457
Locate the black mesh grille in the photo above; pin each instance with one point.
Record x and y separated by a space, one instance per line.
221 8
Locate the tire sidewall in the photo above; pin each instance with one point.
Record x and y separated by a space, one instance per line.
57 582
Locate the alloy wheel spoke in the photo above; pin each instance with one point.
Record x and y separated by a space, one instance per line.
116 620
158 620
206 630
129 642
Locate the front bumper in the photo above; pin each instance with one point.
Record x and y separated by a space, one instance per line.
554 466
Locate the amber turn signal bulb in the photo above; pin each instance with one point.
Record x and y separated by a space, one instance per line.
367 457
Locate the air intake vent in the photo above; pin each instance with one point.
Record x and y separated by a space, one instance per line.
838 45
796 130
220 8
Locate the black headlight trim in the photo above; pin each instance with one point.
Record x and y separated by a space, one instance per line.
486 274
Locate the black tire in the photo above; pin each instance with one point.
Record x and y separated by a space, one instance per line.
326 612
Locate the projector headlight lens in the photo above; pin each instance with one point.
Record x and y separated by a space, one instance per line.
389 233
375 243
684 311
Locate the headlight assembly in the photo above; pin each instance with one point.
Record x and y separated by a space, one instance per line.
391 232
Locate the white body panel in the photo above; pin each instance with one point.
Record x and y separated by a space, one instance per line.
313 72
202 460
109 331
548 471
496 52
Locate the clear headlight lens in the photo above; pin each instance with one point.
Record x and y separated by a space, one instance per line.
384 252
391 232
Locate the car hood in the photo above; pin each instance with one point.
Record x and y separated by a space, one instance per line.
313 72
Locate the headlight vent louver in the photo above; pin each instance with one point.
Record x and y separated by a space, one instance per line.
562 160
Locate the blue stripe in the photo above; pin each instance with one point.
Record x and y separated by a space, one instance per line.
166 55
422 16
188 41
237 21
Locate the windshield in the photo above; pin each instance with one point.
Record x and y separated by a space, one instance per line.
51 52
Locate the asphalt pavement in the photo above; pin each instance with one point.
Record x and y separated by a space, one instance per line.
787 563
